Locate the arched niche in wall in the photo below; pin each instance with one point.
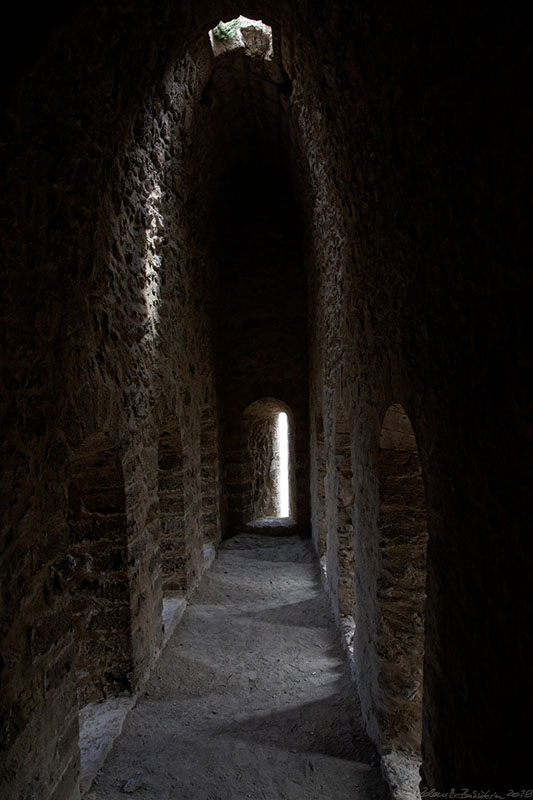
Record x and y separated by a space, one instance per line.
173 542
210 478
345 502
268 479
99 580
320 487
401 583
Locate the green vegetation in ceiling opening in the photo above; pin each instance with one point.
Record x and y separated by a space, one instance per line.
250 35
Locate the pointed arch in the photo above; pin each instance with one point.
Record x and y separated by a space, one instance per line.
269 487
344 513
172 507
210 476
319 495
401 582
99 582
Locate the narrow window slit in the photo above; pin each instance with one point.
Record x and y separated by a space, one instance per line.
282 444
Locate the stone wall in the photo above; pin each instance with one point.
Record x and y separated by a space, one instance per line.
406 134
401 583
173 539
97 565
411 278
112 336
318 489
343 516
211 480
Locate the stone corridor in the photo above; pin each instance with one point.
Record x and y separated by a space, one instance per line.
251 697
223 222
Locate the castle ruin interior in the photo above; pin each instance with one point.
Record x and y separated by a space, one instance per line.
265 300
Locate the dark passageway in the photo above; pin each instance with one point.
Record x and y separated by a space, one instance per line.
318 209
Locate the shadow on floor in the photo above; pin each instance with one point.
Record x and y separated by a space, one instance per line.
322 726
310 613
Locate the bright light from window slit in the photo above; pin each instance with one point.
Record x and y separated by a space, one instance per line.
282 436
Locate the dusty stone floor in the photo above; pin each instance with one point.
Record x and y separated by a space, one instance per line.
252 695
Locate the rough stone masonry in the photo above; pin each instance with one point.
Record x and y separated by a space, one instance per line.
342 226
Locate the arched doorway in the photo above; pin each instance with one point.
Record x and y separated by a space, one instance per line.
268 463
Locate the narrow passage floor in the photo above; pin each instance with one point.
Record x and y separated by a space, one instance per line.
252 696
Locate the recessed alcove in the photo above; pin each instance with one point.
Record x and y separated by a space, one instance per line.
268 464
99 581
401 592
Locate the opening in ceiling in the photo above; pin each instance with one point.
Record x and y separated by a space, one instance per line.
250 35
